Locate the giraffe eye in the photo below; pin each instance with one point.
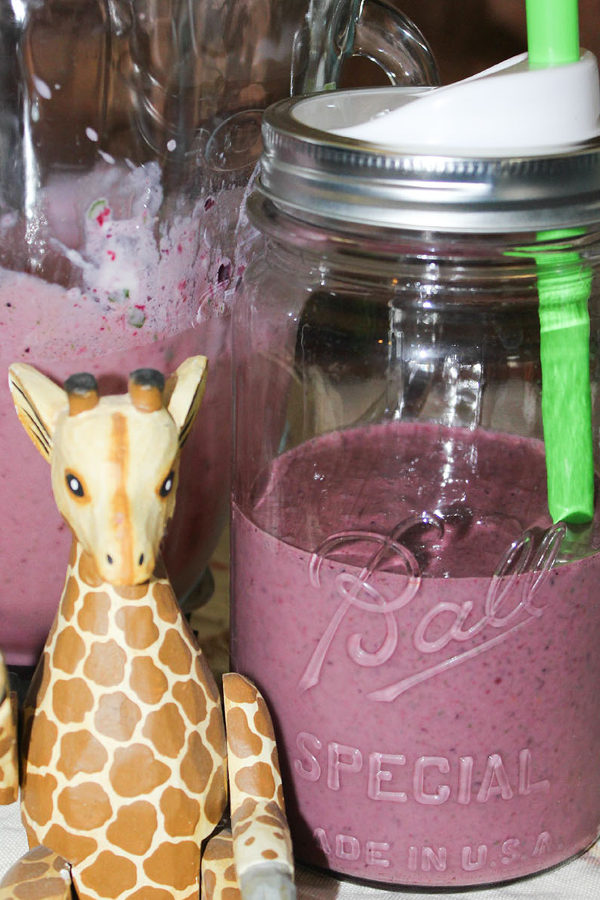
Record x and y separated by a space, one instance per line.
74 485
167 485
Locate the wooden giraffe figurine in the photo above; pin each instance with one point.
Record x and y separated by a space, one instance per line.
123 745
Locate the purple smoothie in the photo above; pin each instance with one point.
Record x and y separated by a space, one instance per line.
439 726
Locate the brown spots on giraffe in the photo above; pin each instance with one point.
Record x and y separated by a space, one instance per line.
230 893
192 699
209 884
84 806
166 606
147 680
269 854
73 554
88 572
38 793
148 893
271 821
249 841
238 689
69 649
240 829
138 627
206 677
181 813
216 798
244 811
219 847
242 741
71 700
93 613
105 664
215 732
262 719
41 741
109 875
133 829
80 751
165 729
42 889
117 716
74 847
175 653
69 598
256 780
135 771
280 797
197 764
131 591
174 864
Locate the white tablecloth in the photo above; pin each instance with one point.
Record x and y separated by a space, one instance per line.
576 880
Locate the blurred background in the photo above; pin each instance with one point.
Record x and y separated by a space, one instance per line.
468 35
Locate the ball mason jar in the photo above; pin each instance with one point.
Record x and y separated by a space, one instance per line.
415 579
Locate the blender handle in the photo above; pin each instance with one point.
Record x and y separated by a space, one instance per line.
393 42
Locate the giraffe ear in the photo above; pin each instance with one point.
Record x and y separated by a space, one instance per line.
38 401
183 393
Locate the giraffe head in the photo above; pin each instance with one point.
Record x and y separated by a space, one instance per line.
114 460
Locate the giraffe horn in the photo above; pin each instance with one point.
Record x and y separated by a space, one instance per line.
82 391
146 389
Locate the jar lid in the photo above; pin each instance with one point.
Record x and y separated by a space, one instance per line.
315 174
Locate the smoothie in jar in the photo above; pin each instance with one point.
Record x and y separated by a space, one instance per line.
438 721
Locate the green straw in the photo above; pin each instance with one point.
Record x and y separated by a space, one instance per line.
564 284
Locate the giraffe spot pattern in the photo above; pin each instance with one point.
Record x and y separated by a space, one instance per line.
74 847
209 883
134 827
238 689
197 764
93 613
175 653
135 771
269 854
174 864
230 893
73 554
117 716
165 602
88 571
272 821
230 874
69 649
84 806
42 890
241 739
131 591
26 868
70 595
216 798
165 729
256 780
181 812
105 664
249 841
41 740
137 626
38 797
244 811
215 732
262 719
147 680
219 847
80 751
206 677
71 700
192 700
109 875
149 893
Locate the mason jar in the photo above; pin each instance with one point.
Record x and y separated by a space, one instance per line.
415 565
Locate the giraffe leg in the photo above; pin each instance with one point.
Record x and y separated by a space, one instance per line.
9 767
262 845
219 879
41 874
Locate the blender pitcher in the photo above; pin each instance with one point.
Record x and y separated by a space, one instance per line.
415 531
128 131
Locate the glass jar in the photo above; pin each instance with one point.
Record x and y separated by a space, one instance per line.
128 133
414 569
